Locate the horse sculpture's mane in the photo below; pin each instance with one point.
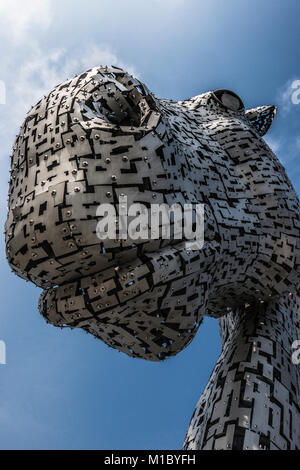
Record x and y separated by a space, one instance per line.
101 136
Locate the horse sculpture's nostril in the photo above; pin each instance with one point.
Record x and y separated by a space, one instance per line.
118 100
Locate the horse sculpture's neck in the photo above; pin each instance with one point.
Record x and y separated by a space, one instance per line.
253 396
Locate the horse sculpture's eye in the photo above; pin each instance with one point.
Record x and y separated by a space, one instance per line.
228 99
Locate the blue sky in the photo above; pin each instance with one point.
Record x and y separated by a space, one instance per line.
64 389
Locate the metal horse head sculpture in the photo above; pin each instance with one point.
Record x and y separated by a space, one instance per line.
101 136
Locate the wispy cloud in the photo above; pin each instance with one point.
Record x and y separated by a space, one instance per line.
273 143
30 69
36 76
20 18
43 71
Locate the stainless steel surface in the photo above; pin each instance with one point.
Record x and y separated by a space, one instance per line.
103 134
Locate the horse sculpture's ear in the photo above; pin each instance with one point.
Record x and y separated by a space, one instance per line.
261 118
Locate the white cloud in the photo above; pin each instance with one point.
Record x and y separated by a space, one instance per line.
40 73
286 150
19 17
37 75
274 144
30 69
